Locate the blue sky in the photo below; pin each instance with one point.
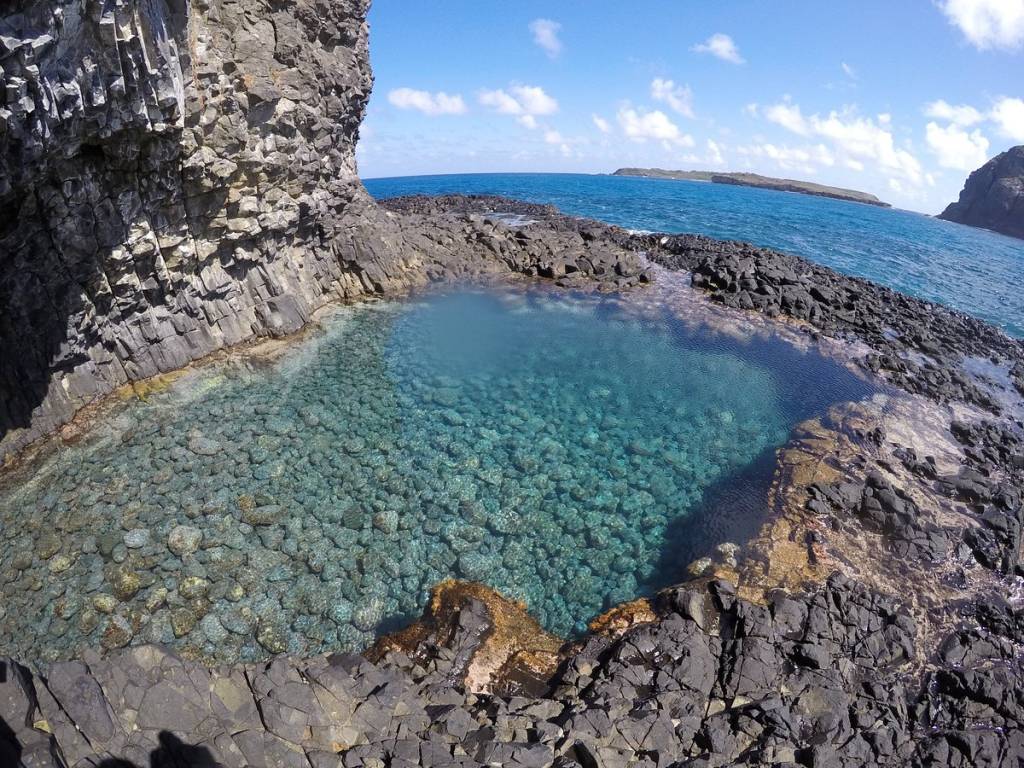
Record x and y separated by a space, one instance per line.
901 99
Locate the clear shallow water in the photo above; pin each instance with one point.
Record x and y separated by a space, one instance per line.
973 270
571 451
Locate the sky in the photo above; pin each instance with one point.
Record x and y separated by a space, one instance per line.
900 99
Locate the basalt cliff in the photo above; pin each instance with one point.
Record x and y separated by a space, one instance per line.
178 176
993 196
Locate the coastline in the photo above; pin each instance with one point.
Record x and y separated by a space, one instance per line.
823 481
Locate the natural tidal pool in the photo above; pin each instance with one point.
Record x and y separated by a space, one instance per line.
572 451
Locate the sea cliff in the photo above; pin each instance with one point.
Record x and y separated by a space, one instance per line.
993 196
179 177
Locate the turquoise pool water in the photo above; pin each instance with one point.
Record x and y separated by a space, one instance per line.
572 451
973 270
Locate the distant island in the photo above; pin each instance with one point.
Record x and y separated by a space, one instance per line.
756 180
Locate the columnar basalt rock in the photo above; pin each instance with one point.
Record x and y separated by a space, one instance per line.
176 176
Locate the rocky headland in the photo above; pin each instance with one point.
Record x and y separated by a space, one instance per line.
993 196
179 177
744 179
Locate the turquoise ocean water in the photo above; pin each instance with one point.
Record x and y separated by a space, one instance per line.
571 451
973 270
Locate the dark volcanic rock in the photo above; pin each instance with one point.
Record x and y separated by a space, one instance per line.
823 678
993 197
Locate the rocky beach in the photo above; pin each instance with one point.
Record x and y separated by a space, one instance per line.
179 188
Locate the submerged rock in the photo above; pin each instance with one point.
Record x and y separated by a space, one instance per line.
184 540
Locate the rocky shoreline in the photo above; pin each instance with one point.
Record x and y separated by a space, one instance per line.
179 177
719 671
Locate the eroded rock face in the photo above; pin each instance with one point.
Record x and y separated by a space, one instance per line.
175 176
993 197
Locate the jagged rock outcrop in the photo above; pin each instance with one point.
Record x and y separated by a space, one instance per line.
819 679
175 176
993 197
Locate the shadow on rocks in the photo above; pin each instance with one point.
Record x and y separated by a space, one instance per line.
172 753
733 510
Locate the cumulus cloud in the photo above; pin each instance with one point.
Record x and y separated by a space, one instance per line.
678 97
722 47
863 138
715 156
1008 115
432 104
526 102
788 116
805 159
545 35
988 23
963 114
955 148
641 126
852 136
601 124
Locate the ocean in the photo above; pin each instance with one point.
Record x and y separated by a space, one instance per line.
973 270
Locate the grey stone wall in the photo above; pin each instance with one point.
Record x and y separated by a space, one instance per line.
176 176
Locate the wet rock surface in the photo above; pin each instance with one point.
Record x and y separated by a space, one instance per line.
814 679
179 176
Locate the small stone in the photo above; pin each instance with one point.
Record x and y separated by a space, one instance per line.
386 521
47 546
341 612
22 561
117 633
213 629
184 540
265 515
273 638
183 621
136 538
124 582
156 598
204 446
60 563
104 603
369 615
192 587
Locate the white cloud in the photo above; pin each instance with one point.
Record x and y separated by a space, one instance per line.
852 136
678 97
715 156
526 102
788 116
960 115
553 137
863 138
545 34
853 165
601 123
641 126
1008 115
805 159
955 148
723 47
988 23
849 71
439 103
